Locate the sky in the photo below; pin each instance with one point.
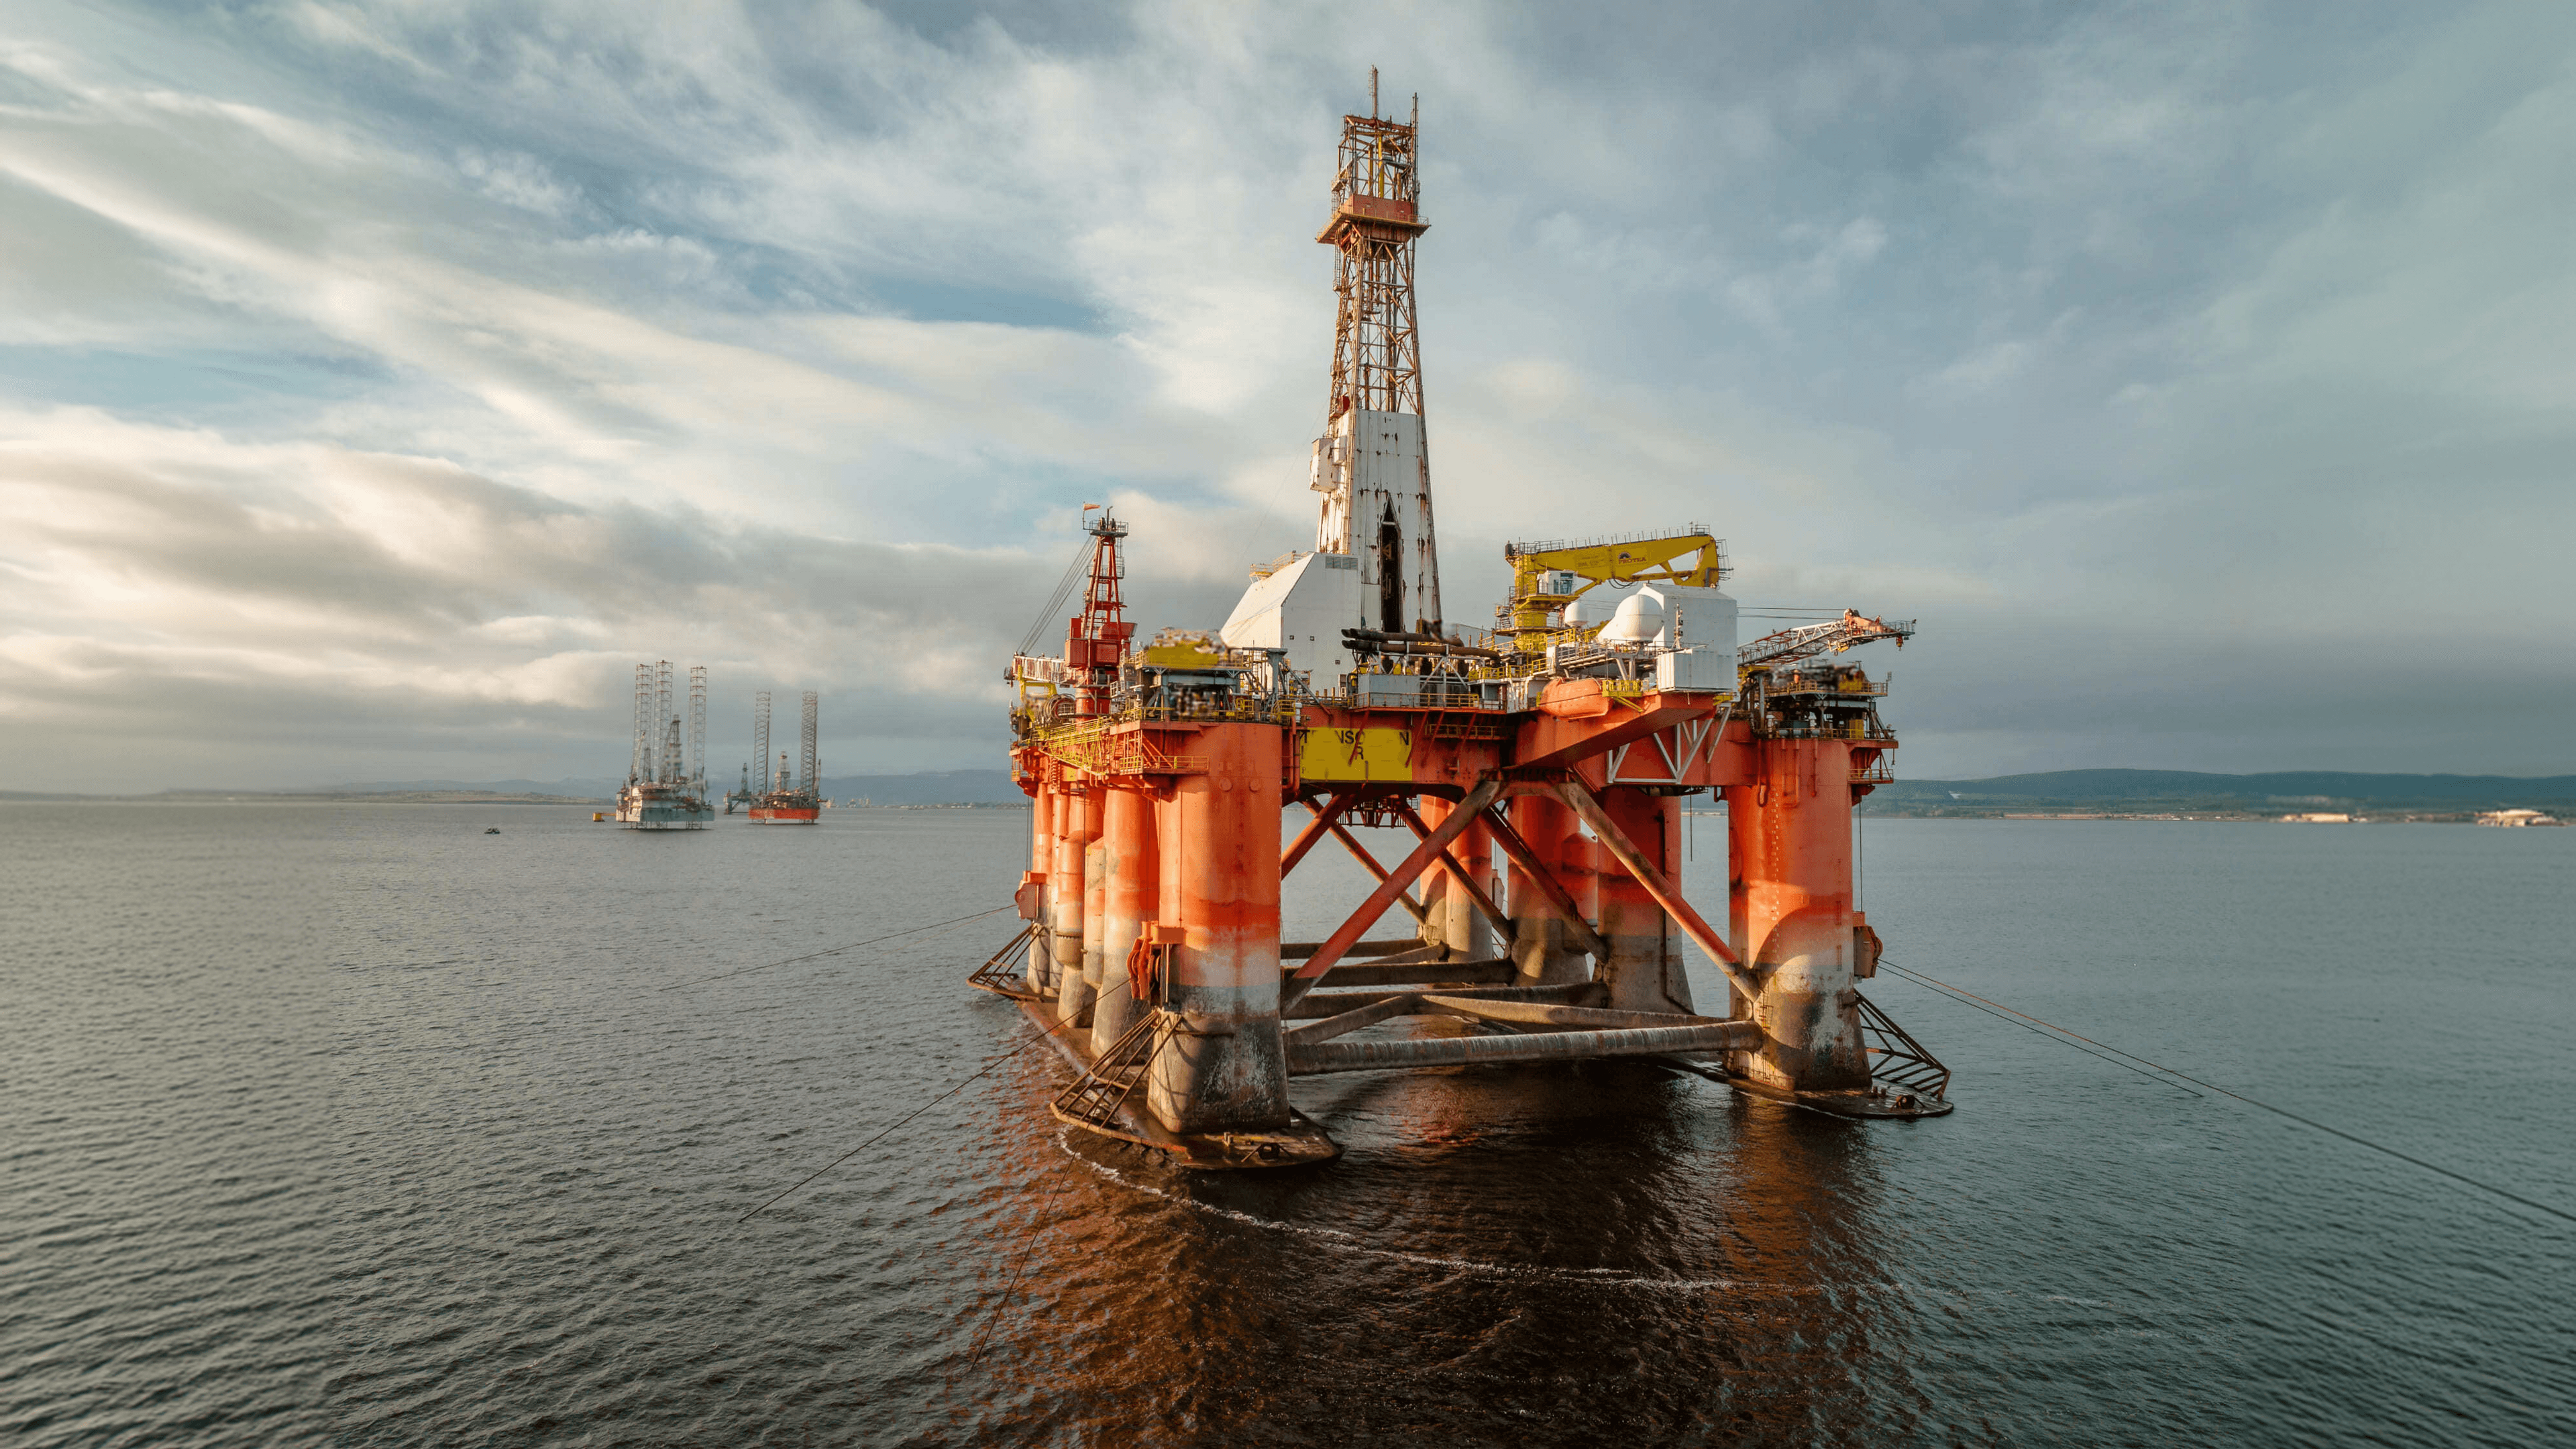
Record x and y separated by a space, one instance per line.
380 382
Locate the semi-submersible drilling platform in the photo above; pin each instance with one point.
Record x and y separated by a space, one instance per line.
1566 738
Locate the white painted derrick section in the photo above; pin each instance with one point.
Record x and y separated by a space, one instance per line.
1303 608
1376 480
1377 561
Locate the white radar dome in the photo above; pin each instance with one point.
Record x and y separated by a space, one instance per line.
1597 604
1639 620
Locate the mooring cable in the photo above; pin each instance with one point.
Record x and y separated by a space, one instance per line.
1959 993
1999 1014
1028 1250
908 1116
837 950
2052 1026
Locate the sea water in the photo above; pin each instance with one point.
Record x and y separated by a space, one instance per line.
355 1125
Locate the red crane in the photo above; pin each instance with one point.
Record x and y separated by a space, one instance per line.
1097 637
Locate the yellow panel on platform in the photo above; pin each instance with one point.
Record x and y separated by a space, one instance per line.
1363 754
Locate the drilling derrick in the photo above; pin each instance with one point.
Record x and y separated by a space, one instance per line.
1376 562
1540 769
1097 637
666 787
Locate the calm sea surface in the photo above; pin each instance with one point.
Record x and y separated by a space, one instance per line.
355 1125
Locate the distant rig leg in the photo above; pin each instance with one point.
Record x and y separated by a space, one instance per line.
1644 970
1450 915
1543 944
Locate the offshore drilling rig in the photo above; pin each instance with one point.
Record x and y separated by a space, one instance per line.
1565 738
784 797
666 785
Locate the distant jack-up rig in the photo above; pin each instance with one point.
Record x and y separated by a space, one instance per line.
666 784
785 795
1565 738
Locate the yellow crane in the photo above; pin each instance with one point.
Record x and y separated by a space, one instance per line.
1694 558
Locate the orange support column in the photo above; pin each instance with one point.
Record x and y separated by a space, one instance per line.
1644 972
1130 897
1540 943
1081 826
1790 912
1450 915
1223 1069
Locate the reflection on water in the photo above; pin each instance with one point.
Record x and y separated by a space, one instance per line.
357 1126
1551 1254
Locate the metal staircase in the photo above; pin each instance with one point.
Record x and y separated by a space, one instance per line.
996 975
1898 1064
1095 1097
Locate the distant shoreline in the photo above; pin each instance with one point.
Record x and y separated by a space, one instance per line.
410 797
302 797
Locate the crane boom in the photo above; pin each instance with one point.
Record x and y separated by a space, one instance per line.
1695 557
1790 646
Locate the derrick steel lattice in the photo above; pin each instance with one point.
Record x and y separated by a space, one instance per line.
641 767
1377 354
1097 638
698 727
760 743
665 724
1373 463
806 763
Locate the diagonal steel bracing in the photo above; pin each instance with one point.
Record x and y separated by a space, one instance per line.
1316 829
1588 806
1557 895
1389 890
1448 862
1369 863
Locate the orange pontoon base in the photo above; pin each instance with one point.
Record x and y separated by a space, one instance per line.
1299 1144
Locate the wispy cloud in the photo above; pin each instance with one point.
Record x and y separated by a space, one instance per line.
380 381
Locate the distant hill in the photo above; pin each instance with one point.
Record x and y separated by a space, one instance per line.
942 787
2273 793
573 789
2276 793
460 795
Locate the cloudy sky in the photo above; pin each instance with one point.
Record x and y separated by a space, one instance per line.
379 382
